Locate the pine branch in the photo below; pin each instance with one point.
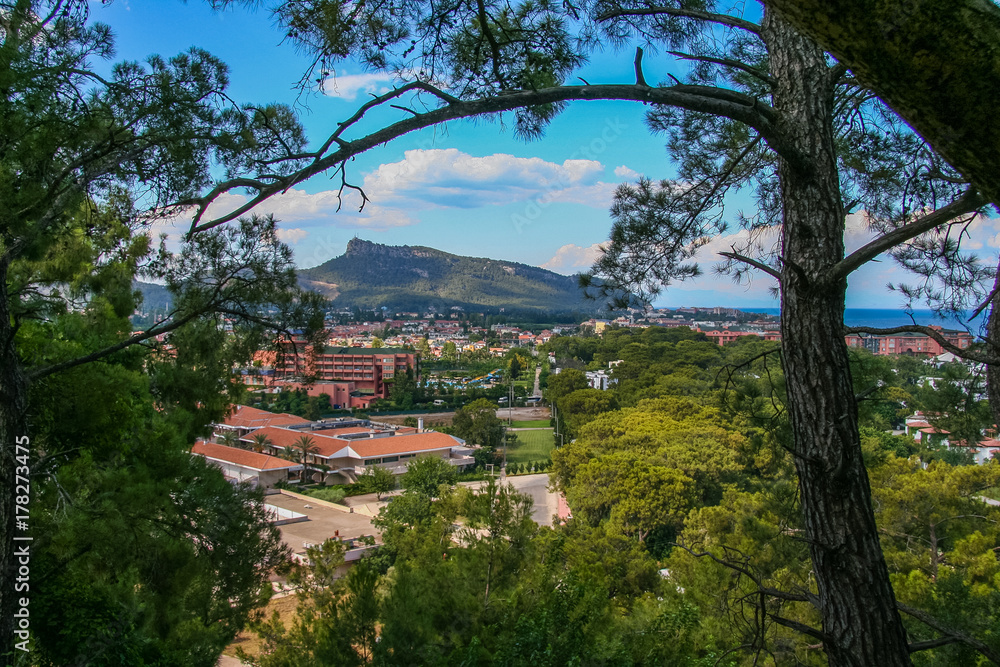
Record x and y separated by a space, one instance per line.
152 332
970 201
707 99
798 627
726 62
721 19
958 637
754 263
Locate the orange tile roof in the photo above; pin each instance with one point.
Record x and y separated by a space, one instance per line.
241 457
401 444
244 416
328 446
286 437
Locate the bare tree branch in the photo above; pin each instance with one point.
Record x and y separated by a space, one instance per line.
707 99
640 80
727 62
972 355
932 643
971 642
774 273
772 592
152 332
798 627
970 201
982 306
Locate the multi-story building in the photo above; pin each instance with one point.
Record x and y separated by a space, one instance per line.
723 336
911 343
908 343
371 370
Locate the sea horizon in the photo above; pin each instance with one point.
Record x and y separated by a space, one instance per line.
891 317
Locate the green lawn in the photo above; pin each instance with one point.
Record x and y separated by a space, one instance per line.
531 446
992 492
533 423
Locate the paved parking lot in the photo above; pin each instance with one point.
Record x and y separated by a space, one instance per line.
324 522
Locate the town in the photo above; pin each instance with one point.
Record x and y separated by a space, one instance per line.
330 477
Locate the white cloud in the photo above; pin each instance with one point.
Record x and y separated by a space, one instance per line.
305 208
571 258
450 178
349 86
424 180
292 235
626 173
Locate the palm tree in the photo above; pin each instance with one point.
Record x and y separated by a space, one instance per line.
260 442
230 439
304 446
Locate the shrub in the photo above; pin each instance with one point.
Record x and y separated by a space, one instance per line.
330 495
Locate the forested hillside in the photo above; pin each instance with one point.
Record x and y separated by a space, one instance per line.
371 275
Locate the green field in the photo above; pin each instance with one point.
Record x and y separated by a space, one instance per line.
531 446
534 423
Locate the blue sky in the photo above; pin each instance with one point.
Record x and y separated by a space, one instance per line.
470 187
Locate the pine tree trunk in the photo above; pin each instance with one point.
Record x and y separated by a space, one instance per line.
857 604
13 405
993 348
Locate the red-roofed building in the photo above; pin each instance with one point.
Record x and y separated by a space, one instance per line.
987 449
245 419
240 465
347 451
911 343
724 336
371 370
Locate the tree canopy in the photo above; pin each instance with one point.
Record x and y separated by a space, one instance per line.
87 163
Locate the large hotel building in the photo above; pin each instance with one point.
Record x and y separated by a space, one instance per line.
351 376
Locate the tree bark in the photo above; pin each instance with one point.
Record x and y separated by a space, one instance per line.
993 348
857 604
937 64
13 408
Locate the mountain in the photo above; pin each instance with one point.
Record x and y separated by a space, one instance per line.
369 275
154 297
